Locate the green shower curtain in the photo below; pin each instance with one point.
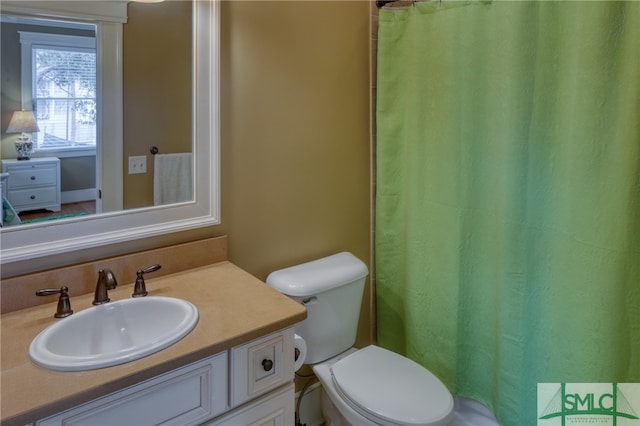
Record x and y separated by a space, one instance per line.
508 195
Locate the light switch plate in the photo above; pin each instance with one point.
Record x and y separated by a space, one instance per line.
137 164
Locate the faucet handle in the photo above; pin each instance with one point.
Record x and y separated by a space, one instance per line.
64 304
139 289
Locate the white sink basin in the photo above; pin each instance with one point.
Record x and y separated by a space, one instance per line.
113 333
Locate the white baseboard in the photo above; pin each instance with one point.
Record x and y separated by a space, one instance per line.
310 410
78 196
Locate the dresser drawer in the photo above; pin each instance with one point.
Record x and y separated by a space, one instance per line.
42 175
33 197
261 365
33 184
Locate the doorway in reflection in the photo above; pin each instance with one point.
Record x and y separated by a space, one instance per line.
49 67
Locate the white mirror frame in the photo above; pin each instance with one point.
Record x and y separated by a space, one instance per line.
29 241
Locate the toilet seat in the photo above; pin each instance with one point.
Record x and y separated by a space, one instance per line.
390 389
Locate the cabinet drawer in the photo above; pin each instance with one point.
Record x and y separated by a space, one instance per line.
36 196
41 175
261 365
186 396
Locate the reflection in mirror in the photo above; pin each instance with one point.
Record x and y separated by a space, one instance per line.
147 70
60 55
157 102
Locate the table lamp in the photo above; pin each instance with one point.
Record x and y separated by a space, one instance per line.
23 122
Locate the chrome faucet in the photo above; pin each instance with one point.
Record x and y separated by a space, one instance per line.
106 281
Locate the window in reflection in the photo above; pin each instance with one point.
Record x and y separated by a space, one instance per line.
59 75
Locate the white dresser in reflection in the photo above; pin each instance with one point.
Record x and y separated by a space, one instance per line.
33 184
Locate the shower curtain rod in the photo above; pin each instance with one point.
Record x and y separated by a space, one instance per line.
398 3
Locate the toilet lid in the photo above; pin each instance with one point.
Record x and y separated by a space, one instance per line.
388 387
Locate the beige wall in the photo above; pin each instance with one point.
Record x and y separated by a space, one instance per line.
295 139
295 132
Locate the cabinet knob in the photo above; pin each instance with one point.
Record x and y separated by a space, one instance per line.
33 178
267 364
33 197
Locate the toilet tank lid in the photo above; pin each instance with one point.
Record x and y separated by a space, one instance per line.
318 275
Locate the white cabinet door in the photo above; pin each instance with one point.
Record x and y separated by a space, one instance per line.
185 396
275 409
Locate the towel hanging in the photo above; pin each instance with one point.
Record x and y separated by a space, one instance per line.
172 178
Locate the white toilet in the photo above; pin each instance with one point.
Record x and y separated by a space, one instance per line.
369 386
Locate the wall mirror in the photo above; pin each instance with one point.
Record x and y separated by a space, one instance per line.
117 222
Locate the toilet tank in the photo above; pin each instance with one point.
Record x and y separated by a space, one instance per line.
331 290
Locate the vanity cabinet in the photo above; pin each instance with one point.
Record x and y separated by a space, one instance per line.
248 384
33 184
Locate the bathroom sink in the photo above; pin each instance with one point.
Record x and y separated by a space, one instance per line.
113 333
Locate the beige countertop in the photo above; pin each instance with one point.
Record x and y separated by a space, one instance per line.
234 307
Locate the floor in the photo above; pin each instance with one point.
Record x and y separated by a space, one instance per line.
469 412
88 207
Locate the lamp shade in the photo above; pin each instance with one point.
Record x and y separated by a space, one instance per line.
23 121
